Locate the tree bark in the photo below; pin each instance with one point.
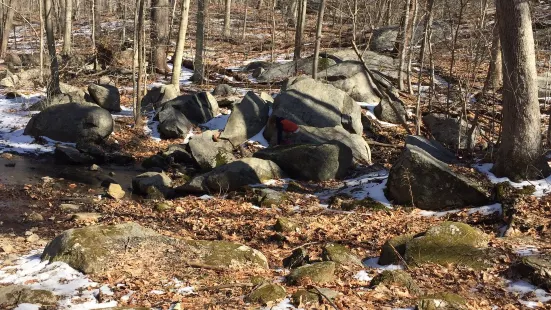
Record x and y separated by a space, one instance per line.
494 79
319 28
160 15
301 18
6 29
140 38
520 155
53 85
199 70
68 27
227 20
177 68
404 45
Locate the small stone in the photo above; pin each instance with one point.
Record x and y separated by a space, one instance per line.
298 258
317 273
283 224
312 296
32 238
267 293
441 301
35 217
68 208
396 278
86 217
94 167
115 191
7 248
162 207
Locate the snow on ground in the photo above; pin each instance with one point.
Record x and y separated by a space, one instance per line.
217 123
484 210
543 186
535 294
374 263
285 304
70 285
363 276
369 112
13 119
369 185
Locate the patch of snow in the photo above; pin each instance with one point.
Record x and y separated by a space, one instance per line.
217 123
259 138
370 113
484 210
522 288
26 306
363 276
283 305
125 112
206 197
152 130
186 290
371 185
526 250
157 292
373 263
72 287
542 186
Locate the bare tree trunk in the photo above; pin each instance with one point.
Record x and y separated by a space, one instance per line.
41 10
272 56
319 28
520 155
198 65
404 46
413 27
160 14
6 29
177 68
53 85
494 79
244 32
426 41
68 27
301 19
140 40
227 20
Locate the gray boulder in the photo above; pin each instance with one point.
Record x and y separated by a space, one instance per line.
313 135
142 183
246 120
71 122
433 147
383 39
351 77
253 65
536 268
10 80
102 248
172 122
312 162
198 108
308 102
281 71
13 295
430 184
235 175
223 90
106 96
158 95
70 155
391 111
13 60
450 130
377 63
208 153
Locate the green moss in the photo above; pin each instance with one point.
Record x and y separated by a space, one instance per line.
448 301
229 254
366 203
388 255
505 192
284 224
296 187
257 280
396 278
221 158
339 254
267 293
317 273
162 207
324 63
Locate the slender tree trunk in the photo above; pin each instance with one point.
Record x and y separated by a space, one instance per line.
41 10
177 69
272 56
53 85
426 41
227 20
494 79
404 46
198 65
319 28
520 153
413 27
6 29
301 19
244 32
140 38
160 14
68 27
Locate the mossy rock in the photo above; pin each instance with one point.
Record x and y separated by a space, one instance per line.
284 224
536 268
267 293
258 280
96 249
449 243
317 273
162 207
311 296
366 203
154 193
14 295
339 254
324 63
396 278
388 255
266 197
296 187
505 192
441 301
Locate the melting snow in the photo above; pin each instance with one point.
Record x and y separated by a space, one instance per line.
543 186
523 288
371 114
369 185
283 305
484 210
373 263
217 123
72 286
363 276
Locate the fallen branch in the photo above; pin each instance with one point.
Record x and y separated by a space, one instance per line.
204 266
400 257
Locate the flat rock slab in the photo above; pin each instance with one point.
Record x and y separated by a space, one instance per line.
100 249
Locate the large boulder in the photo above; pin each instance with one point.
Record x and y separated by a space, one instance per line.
158 95
433 147
377 63
313 135
450 130
246 120
146 182
198 108
235 175
281 71
208 153
351 77
98 249
173 123
391 112
306 101
223 90
106 96
430 184
71 122
13 295
384 39
312 162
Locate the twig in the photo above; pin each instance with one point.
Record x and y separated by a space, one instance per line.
327 298
304 245
400 257
204 266
223 286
